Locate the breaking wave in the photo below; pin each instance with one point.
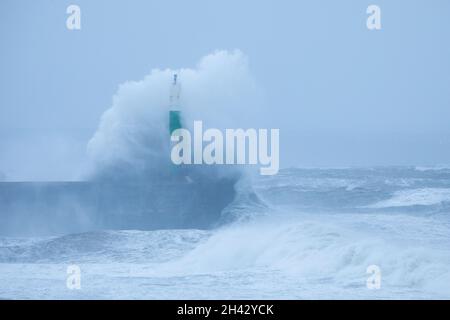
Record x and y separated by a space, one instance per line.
415 197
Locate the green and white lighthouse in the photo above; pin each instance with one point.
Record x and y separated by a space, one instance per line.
174 111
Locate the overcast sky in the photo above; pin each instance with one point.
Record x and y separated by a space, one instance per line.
341 95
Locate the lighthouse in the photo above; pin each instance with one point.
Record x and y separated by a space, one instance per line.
174 111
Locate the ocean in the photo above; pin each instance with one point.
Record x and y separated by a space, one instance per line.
305 233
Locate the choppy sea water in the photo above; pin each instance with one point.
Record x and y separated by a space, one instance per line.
312 234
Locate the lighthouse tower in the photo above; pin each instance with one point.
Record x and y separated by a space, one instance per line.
174 111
